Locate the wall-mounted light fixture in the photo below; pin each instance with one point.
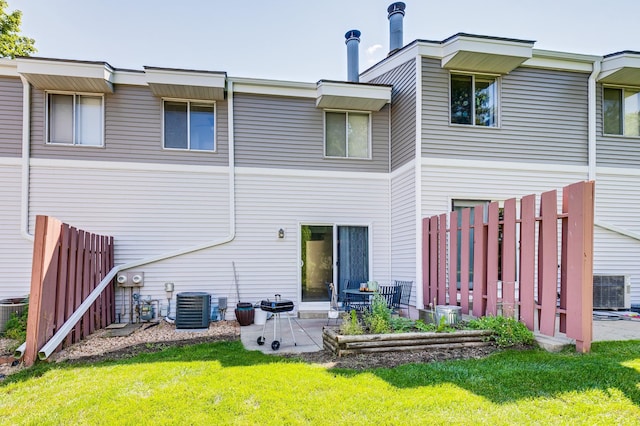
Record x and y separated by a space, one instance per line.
281 233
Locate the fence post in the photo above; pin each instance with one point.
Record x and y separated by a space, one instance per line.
479 263
580 211
527 260
41 316
548 262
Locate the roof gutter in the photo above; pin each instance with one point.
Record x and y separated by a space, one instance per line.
64 330
592 119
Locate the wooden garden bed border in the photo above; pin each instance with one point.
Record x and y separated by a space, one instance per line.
341 344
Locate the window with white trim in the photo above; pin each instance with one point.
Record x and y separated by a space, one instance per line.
75 119
621 111
474 100
347 134
189 125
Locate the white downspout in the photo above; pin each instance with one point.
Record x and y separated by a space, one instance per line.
62 332
26 153
592 119
418 185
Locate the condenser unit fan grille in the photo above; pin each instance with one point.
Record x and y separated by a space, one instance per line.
193 310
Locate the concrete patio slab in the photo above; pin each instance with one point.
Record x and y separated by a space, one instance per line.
308 334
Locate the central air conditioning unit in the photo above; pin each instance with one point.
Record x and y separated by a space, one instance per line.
193 310
611 292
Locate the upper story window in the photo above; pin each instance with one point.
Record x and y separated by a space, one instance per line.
621 111
347 134
189 125
75 119
474 100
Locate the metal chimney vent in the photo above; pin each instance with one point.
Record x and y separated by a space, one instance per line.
193 310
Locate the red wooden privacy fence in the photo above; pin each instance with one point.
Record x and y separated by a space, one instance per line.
68 263
537 267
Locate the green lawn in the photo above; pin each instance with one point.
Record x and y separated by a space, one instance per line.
222 383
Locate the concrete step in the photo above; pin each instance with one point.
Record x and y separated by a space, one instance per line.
312 314
554 344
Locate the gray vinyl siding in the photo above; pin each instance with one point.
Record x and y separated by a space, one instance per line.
288 133
403 112
133 132
543 119
10 117
614 151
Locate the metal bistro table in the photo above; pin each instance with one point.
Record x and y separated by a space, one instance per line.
357 299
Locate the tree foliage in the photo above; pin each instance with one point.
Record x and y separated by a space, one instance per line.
13 44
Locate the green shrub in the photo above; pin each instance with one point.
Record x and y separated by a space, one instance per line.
17 326
401 325
350 324
507 331
378 319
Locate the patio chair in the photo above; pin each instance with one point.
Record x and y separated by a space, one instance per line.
391 294
405 294
334 306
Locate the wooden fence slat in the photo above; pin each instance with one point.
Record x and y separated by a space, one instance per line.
548 262
564 247
77 330
433 258
479 262
453 258
509 248
62 281
71 280
426 260
465 233
442 274
580 264
492 259
92 282
86 281
112 299
527 260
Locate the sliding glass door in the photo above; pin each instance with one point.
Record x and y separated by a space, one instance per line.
320 245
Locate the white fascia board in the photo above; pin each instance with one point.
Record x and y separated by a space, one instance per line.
8 68
273 87
353 96
185 77
486 45
131 78
485 54
548 59
621 69
261 171
392 62
503 165
65 68
49 163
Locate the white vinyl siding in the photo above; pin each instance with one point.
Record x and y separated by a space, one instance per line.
617 201
15 250
403 226
288 133
133 132
403 112
75 119
11 117
543 118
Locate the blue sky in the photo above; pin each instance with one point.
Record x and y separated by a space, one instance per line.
301 40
